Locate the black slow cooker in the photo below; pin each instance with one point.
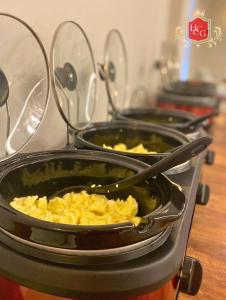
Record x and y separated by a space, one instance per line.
41 259
172 118
153 268
46 173
74 86
114 72
197 96
192 88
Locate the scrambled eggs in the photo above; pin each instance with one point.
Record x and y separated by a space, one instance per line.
137 149
79 209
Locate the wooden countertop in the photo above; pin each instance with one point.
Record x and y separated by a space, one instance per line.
208 235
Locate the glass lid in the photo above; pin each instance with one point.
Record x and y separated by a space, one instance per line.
115 69
139 97
24 84
73 75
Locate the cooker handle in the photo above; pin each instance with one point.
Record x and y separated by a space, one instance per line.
159 220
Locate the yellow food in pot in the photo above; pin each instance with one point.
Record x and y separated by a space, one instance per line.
79 209
140 149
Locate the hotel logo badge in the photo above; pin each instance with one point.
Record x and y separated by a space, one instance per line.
199 31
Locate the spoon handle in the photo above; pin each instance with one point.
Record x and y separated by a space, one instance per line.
199 119
179 156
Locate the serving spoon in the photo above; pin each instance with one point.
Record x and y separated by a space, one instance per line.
197 120
181 155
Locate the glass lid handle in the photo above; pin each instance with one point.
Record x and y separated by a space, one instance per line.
111 71
4 88
67 77
4 94
8 147
108 73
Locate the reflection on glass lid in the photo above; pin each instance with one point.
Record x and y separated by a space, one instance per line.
115 66
73 75
24 84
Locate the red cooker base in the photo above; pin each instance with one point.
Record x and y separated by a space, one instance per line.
199 111
12 291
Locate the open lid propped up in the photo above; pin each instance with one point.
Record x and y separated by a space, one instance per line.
73 75
24 84
115 69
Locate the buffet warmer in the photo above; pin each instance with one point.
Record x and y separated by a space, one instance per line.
47 260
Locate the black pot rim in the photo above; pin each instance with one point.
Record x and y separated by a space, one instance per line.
163 111
178 136
125 115
38 157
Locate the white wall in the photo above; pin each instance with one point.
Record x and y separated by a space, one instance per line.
143 23
212 61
